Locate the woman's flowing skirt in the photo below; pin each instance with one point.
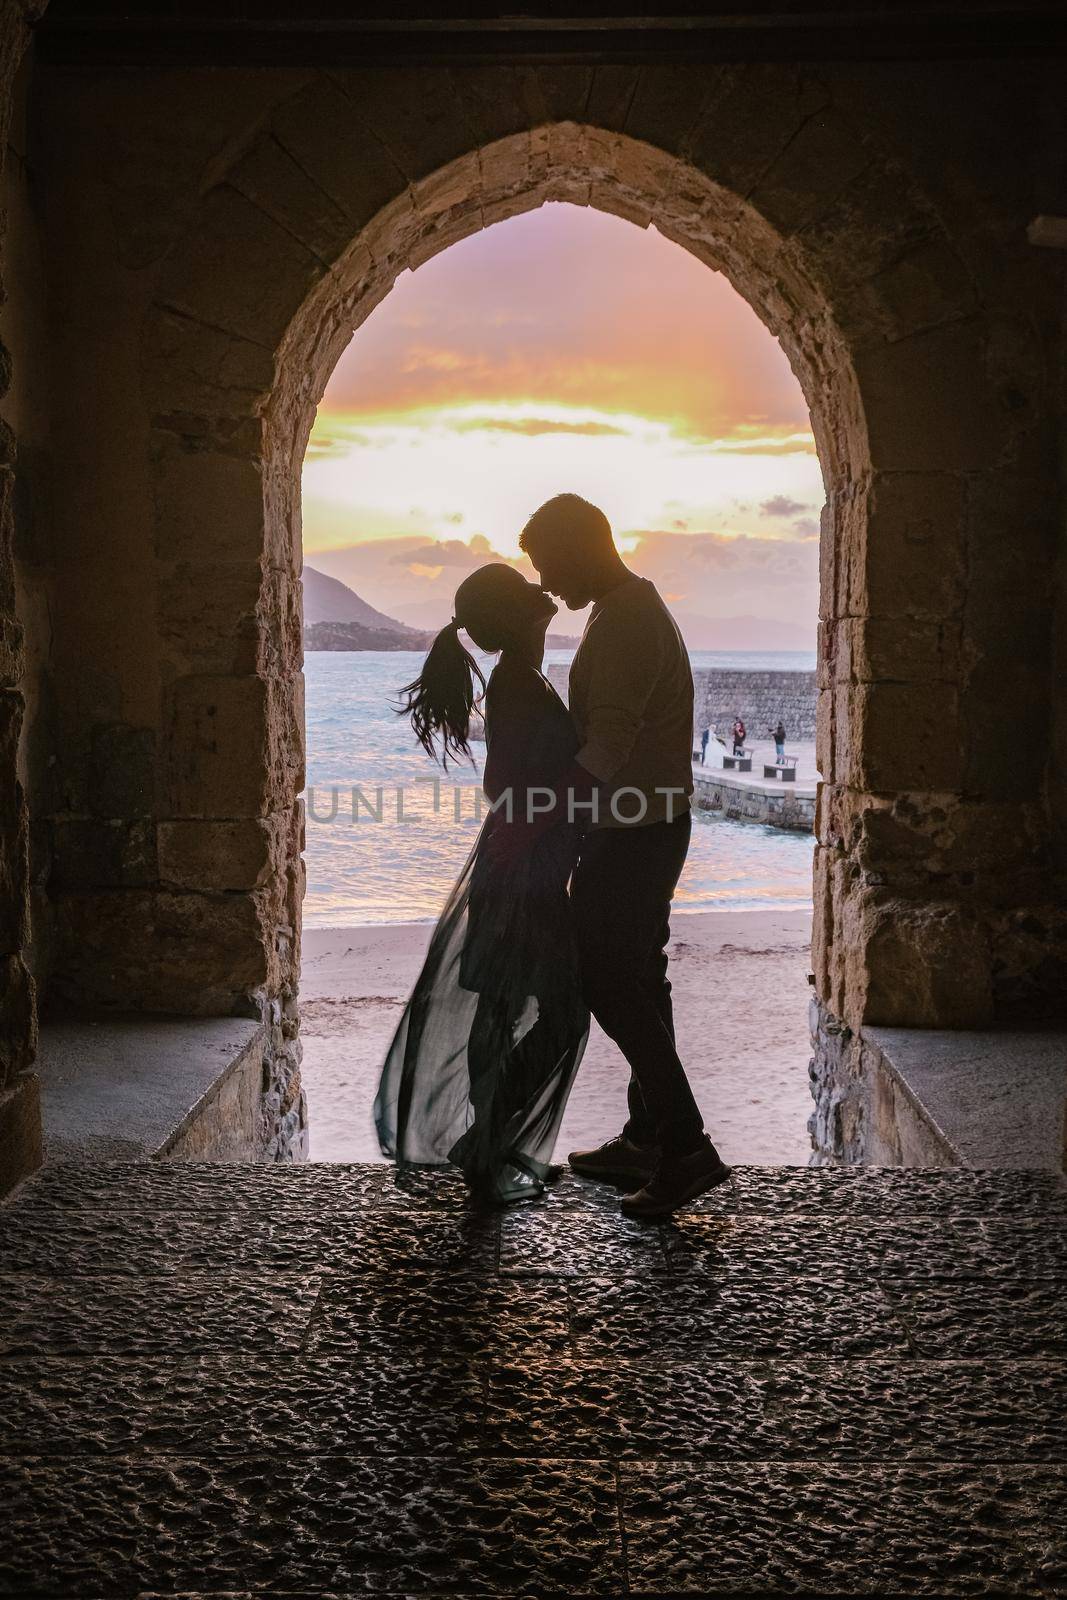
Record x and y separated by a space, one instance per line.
483 1059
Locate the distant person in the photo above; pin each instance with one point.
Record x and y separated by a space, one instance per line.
469 1079
739 732
704 737
778 735
631 695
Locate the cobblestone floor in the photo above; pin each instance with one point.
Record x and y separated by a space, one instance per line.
304 1381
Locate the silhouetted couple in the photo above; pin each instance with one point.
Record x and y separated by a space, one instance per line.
562 907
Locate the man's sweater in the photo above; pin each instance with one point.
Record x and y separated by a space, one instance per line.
631 696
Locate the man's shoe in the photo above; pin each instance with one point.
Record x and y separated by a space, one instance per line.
617 1161
676 1180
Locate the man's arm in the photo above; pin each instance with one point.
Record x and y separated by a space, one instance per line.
624 663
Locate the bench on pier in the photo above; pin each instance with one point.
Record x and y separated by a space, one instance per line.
741 762
786 769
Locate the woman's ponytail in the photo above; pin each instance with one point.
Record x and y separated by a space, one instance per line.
440 700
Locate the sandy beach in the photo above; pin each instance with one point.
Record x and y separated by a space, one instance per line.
740 998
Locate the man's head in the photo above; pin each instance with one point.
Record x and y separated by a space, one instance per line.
569 542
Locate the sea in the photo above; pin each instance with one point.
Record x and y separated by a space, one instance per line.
388 831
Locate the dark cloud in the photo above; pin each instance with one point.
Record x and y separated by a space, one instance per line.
442 553
686 561
780 505
806 528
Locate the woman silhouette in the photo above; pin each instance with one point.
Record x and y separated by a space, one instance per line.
482 1062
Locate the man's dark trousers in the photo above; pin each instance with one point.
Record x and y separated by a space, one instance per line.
621 894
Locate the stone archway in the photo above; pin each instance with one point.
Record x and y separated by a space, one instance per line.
922 414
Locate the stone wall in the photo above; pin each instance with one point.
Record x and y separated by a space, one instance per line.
214 237
20 1117
760 698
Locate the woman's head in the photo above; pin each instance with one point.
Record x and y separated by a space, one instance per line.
499 610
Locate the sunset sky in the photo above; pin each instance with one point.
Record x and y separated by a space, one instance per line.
569 350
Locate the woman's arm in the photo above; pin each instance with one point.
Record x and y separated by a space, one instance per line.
514 705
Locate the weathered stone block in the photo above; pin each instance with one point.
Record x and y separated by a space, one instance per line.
280 624
607 197
922 289
416 117
499 101
825 731
1030 960
439 233
161 950
18 1017
736 150
990 854
826 154
234 745
200 280
668 102
268 175
559 93
904 543
21 1149
822 922
209 617
12 654
208 507
515 205
458 188
122 770
194 373
904 736
877 218
14 824
611 96
917 966
324 130
239 853
1011 539
948 423
901 649
102 854
503 169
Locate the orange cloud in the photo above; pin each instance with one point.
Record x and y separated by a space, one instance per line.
535 427
571 305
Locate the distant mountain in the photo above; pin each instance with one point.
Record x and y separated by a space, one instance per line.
329 600
335 618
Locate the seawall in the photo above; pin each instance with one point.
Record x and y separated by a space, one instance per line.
778 805
759 697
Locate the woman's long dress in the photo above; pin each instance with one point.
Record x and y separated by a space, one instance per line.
482 1062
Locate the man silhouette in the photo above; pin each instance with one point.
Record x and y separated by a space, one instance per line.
631 696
